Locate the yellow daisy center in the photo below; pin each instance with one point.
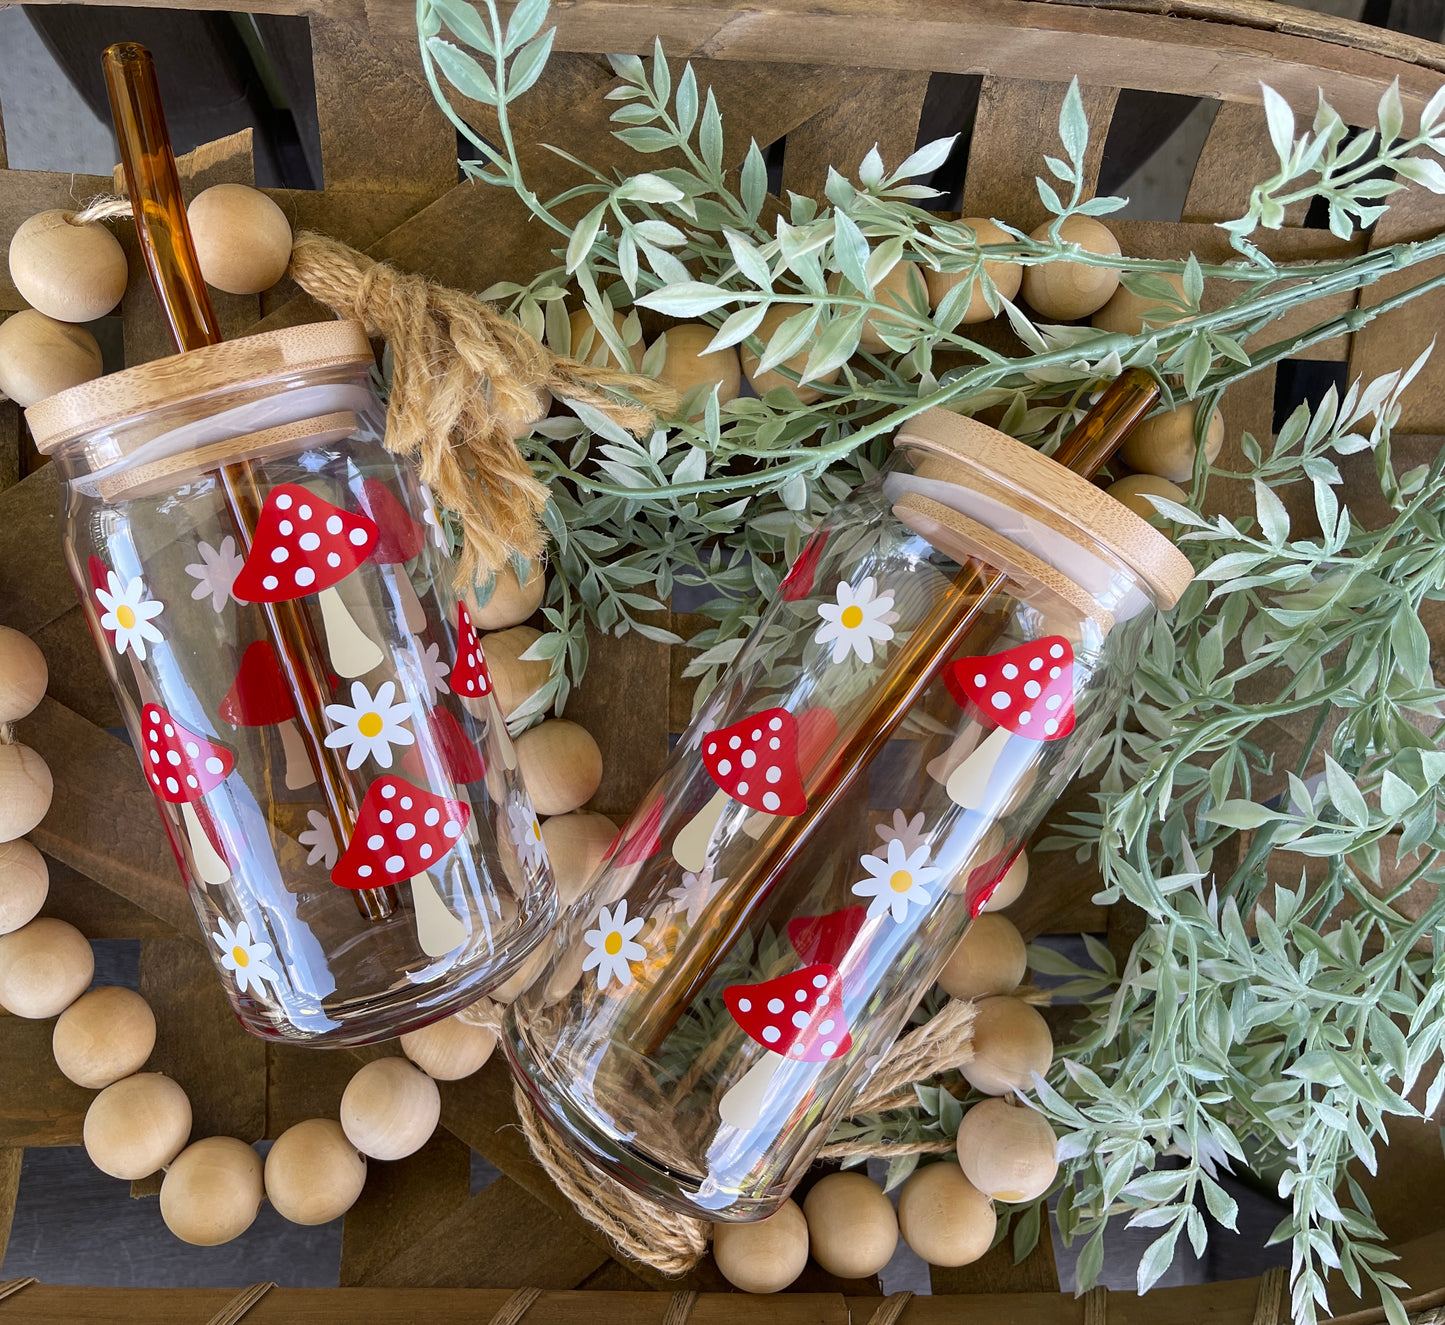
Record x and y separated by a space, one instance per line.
900 881
125 616
612 944
369 725
240 956
536 831
852 617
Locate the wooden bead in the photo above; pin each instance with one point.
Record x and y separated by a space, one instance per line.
989 959
212 1191
511 603
1135 491
1068 290
137 1126
1125 309
313 1173
560 764
515 985
762 383
514 679
103 1036
764 1257
575 846
894 289
450 1049
1007 1150
25 790
1011 885
73 273
23 675
24 884
44 967
944 1217
852 1230
390 1109
40 356
1006 276
242 238
590 348
1011 1042
686 366
1164 445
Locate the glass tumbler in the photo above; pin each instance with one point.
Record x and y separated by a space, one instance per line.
269 589
764 927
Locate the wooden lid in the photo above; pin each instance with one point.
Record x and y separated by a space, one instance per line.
1067 501
110 400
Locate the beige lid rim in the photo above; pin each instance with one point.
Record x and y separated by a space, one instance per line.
1073 502
247 360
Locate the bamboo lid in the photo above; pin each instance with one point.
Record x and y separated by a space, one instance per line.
248 360
991 460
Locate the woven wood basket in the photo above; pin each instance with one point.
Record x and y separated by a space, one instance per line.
418 1246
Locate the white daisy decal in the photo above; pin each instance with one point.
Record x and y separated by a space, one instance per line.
370 725
613 944
435 673
128 614
246 959
431 519
320 838
903 829
856 620
696 892
526 834
896 880
216 570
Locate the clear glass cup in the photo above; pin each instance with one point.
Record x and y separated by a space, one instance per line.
269 588
762 930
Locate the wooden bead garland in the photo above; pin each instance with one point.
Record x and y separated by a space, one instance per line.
944 1217
762 382
1006 276
40 356
1164 445
44 967
511 603
137 1126
390 1109
560 764
989 959
576 844
514 679
1011 885
212 1191
450 1049
686 366
1068 290
1136 489
1011 1042
764 1257
23 675
852 1229
242 238
103 1036
73 273
1125 310
313 1173
24 884
25 790
1007 1150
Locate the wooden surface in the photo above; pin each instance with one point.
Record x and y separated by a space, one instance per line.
834 77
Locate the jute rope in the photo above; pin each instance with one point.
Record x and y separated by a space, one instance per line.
674 1243
465 378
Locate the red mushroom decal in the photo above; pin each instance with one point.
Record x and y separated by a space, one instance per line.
260 697
401 831
399 539
754 761
304 545
470 678
461 761
798 583
1028 691
798 1017
826 938
817 730
181 767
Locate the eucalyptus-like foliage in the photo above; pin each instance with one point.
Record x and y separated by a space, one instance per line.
1254 1024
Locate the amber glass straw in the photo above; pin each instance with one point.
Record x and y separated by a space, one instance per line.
170 257
1098 435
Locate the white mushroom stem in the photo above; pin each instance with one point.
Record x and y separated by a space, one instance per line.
742 1106
411 609
690 846
299 772
469 833
941 767
353 652
437 929
969 785
210 865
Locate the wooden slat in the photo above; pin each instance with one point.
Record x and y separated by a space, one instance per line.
997 1273
97 912
1236 153
124 848
38 1106
10 1160
882 109
30 535
1018 121
78 678
400 1207
11 444
306 1083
